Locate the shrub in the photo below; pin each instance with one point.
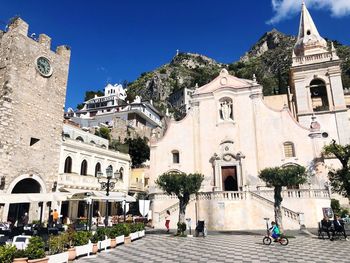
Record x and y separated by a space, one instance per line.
81 238
117 230
133 228
56 244
94 238
7 253
101 233
35 248
20 253
126 230
140 226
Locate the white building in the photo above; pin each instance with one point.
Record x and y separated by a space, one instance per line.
112 105
230 134
82 156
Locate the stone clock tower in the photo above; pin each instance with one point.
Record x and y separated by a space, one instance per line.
33 82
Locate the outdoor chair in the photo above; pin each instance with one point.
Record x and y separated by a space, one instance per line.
200 228
322 233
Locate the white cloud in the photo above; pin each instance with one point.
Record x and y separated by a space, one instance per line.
286 8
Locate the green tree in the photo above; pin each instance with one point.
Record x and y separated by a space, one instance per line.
278 177
138 150
103 132
339 178
182 185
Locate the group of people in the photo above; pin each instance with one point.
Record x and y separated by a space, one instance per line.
331 227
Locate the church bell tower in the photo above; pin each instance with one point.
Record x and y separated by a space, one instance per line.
316 84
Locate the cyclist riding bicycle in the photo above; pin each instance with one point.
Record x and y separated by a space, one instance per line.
275 231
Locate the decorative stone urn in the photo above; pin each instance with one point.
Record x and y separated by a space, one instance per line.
20 260
94 248
39 260
72 254
113 243
127 240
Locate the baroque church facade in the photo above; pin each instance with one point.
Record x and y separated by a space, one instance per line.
230 134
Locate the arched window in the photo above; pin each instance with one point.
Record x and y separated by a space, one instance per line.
121 171
83 168
68 165
97 169
79 138
225 110
289 150
176 156
319 96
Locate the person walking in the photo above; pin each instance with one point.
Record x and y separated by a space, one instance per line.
55 217
167 220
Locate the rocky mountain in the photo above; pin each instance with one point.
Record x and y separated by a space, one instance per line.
184 70
269 59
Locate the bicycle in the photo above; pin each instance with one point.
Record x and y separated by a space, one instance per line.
267 240
283 240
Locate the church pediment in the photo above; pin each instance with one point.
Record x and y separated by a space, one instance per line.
225 80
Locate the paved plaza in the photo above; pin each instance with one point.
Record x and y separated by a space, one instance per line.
225 248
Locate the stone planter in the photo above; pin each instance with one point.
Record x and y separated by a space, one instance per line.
20 260
120 239
134 235
141 233
72 254
39 260
127 240
113 243
94 248
59 258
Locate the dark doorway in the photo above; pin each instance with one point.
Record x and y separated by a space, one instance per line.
25 186
81 208
229 178
64 210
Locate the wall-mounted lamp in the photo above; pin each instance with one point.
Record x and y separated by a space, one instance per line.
2 182
54 186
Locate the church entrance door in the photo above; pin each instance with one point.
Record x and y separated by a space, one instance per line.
229 178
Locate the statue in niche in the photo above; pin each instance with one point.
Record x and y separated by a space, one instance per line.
226 110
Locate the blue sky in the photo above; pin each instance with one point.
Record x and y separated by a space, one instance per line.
113 41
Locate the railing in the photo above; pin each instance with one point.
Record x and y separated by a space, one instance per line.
235 196
312 58
296 194
136 186
286 212
81 181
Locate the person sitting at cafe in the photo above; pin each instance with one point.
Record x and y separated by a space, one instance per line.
326 226
339 226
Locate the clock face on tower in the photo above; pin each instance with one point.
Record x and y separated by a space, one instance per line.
43 66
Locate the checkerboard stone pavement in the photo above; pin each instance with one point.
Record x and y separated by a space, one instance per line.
166 248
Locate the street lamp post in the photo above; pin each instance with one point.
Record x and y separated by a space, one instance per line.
108 184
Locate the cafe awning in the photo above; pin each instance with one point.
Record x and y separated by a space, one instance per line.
80 194
31 197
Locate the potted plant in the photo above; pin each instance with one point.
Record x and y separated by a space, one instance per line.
126 232
20 256
36 250
112 234
94 240
7 253
57 248
68 237
119 230
141 229
81 242
133 231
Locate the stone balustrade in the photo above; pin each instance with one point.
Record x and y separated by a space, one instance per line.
79 181
312 58
296 193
